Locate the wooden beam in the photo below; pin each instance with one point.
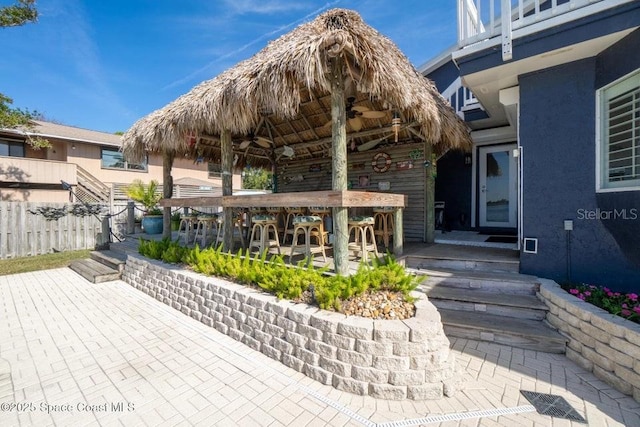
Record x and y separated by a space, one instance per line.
226 157
429 188
167 191
328 198
339 169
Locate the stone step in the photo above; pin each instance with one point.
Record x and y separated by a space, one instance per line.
496 281
500 304
110 258
432 262
521 333
94 271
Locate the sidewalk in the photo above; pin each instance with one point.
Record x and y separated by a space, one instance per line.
107 354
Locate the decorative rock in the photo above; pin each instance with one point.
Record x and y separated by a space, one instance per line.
387 391
371 375
350 385
318 374
425 391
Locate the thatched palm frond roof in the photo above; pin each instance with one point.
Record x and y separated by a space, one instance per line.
283 94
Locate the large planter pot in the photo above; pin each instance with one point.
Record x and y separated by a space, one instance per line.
152 224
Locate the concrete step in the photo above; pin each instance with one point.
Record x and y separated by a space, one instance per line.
94 271
499 304
496 281
435 262
521 333
110 258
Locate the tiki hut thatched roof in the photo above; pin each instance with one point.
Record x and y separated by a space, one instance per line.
282 94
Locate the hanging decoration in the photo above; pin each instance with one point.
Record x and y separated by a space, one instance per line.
395 124
381 162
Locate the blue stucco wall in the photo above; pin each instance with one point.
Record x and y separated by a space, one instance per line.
558 136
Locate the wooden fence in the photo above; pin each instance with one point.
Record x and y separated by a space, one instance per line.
23 233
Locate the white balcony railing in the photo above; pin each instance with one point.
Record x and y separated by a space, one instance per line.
480 20
459 97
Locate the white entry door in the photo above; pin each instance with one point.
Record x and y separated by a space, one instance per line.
498 186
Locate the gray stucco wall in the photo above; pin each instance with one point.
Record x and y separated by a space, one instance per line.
558 135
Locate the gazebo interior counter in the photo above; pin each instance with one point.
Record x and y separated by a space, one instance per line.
327 198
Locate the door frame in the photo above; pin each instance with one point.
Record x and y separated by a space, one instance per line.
483 151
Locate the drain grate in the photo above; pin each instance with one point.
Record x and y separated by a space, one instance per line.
552 405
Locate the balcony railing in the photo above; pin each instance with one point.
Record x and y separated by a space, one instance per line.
36 171
480 20
459 97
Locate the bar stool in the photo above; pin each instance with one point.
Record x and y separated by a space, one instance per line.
186 227
263 225
383 227
237 223
323 213
364 240
289 225
205 226
304 226
278 213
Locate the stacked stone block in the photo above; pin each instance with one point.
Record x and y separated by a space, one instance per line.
391 359
600 342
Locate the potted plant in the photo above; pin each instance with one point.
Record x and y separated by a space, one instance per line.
148 196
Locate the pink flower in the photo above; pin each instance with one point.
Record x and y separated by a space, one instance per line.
637 309
592 287
606 290
626 313
574 291
617 294
609 293
581 296
587 293
625 306
633 297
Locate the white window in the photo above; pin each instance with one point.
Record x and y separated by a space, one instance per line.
619 136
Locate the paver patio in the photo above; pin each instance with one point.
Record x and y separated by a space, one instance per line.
87 348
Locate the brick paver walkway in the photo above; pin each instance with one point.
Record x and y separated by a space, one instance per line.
75 353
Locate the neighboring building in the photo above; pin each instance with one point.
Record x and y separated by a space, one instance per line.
552 96
92 163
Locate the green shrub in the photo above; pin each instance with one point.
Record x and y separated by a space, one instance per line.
287 281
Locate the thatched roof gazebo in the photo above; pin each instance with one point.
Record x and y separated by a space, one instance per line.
305 92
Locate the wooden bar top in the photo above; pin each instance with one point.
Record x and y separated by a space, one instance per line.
328 198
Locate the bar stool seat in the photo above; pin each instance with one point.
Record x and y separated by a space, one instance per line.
364 240
305 226
383 227
263 225
205 226
186 227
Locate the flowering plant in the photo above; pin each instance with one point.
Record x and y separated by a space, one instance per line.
623 305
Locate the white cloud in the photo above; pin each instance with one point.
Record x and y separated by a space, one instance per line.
266 7
235 52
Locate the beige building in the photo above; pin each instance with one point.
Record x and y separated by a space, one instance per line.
91 162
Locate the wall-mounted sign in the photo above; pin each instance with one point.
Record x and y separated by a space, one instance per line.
404 165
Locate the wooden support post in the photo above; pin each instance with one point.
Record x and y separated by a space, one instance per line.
398 233
339 169
167 191
131 217
226 157
429 188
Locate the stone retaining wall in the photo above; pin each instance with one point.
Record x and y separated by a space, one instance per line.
390 359
603 343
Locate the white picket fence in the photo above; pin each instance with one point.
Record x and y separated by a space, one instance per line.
25 234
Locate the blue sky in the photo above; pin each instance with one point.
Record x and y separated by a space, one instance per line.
102 65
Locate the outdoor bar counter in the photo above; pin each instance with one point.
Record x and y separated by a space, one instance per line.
328 198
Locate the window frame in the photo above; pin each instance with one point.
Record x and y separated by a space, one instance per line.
214 174
603 184
9 142
127 166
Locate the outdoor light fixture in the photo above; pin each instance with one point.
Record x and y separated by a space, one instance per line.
396 121
73 146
